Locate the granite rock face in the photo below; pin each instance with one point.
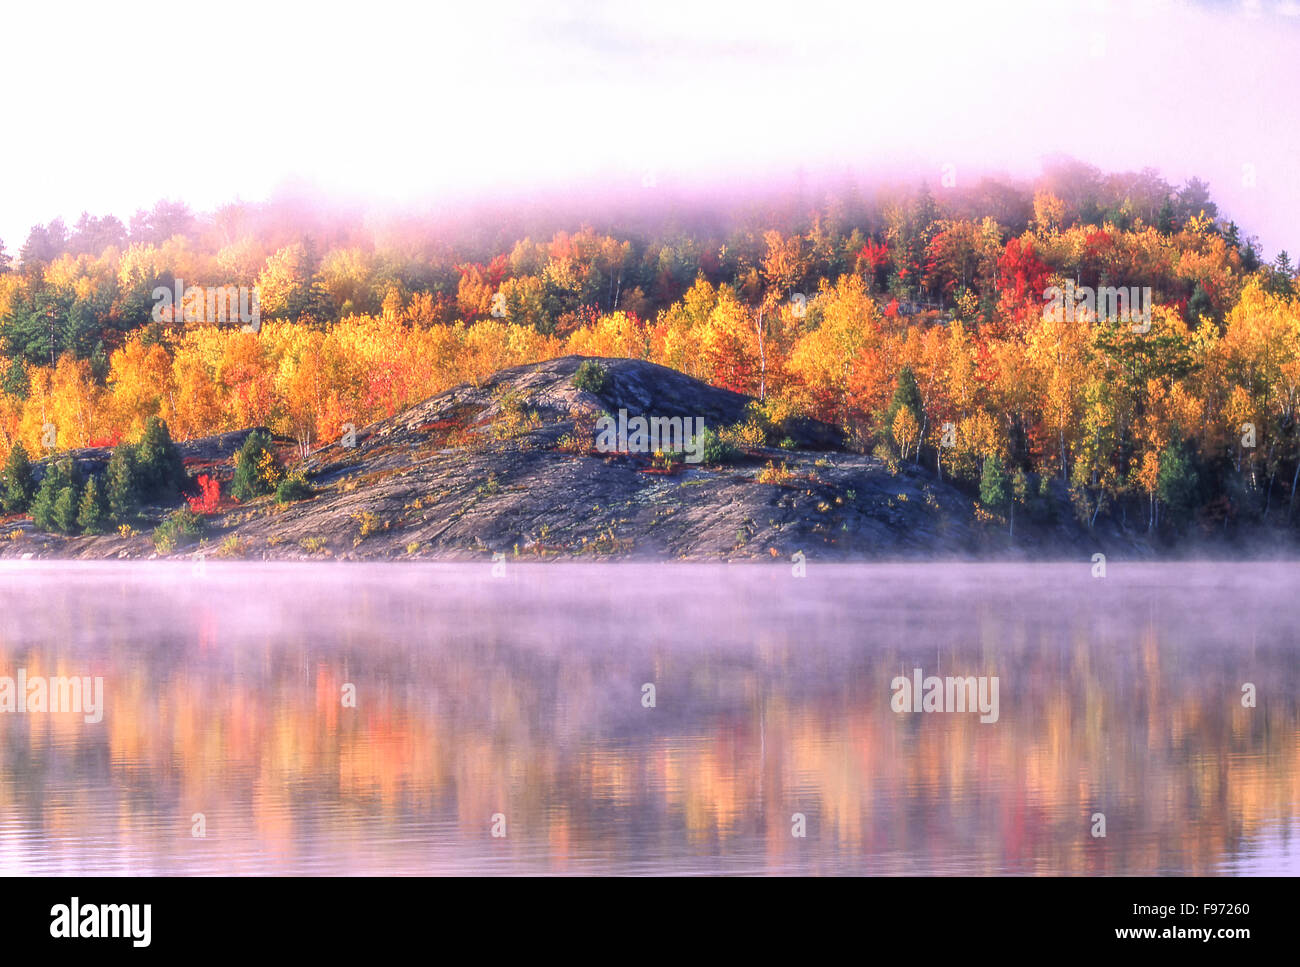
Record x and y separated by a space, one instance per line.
510 468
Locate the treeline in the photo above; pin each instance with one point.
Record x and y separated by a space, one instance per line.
914 319
81 290
68 501
65 499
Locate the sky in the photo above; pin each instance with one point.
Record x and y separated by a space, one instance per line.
111 107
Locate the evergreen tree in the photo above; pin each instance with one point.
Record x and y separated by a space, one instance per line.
159 470
1250 255
19 485
1279 278
65 508
257 471
1199 305
43 504
92 515
1166 220
906 394
58 477
45 322
1176 483
123 500
994 484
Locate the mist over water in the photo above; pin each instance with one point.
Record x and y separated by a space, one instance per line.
522 696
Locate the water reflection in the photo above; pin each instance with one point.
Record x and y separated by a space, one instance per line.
522 696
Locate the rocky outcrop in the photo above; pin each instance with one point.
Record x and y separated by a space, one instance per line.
509 468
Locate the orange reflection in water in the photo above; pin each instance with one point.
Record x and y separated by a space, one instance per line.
477 697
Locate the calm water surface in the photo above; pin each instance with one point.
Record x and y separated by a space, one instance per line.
522 696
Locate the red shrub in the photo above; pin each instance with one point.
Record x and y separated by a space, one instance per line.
209 497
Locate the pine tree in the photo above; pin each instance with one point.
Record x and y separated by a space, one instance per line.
257 471
1177 483
994 484
57 477
43 504
907 393
123 499
1166 219
19 485
92 516
160 472
1199 305
65 508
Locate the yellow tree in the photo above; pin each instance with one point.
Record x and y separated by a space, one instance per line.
1057 350
905 430
834 360
616 334
66 399
246 376
675 337
140 383
729 347
1261 343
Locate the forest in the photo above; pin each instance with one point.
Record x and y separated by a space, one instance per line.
911 316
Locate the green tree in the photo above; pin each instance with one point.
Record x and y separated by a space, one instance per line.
59 476
44 322
995 487
1176 483
1165 220
19 486
43 504
14 379
257 471
1280 277
1198 305
591 377
92 516
123 500
65 508
159 469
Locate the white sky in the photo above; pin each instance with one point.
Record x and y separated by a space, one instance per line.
113 106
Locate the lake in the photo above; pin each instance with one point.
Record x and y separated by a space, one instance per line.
649 719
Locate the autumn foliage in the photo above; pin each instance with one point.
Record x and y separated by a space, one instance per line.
818 312
208 499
